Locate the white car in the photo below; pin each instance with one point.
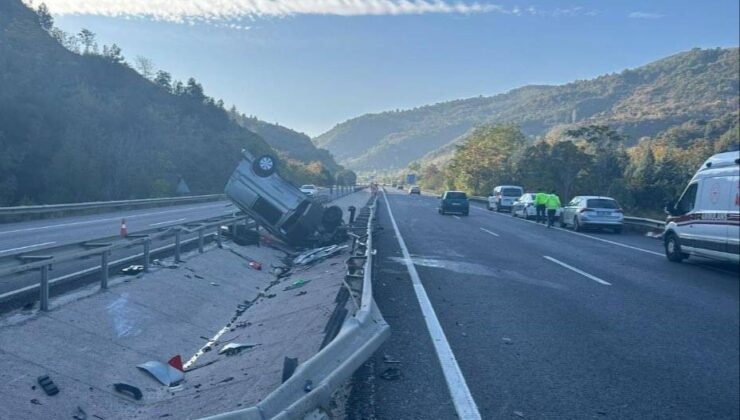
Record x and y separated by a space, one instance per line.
590 211
705 221
503 197
309 189
524 207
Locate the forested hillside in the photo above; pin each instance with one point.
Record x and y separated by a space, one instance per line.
694 85
78 123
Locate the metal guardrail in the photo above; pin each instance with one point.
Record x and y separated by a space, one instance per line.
357 340
94 205
103 249
628 220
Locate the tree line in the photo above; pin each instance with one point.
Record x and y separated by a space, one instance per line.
586 160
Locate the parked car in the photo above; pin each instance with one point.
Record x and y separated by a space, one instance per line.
309 189
589 211
400 186
281 208
454 202
705 221
524 207
415 190
503 197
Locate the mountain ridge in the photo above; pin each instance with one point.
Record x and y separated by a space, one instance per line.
640 102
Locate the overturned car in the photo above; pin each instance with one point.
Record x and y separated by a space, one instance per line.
281 208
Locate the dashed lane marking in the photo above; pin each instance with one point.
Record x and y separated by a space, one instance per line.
581 272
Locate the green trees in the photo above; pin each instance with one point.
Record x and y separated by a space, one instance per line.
588 160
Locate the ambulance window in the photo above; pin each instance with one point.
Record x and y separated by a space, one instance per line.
686 203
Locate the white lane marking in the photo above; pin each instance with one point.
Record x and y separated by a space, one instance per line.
26 247
461 397
488 231
87 222
583 273
169 221
587 236
456 217
208 345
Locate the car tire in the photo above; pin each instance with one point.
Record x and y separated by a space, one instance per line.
576 224
513 213
673 248
264 166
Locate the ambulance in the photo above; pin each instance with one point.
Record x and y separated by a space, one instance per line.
705 221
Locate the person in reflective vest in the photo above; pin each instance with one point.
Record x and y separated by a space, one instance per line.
540 200
553 204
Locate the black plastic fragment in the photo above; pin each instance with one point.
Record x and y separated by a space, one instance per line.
131 390
48 385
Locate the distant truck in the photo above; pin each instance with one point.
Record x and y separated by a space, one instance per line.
281 208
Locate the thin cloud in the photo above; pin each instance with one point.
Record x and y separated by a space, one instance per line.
645 15
221 10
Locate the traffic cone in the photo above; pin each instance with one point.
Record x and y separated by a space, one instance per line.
124 231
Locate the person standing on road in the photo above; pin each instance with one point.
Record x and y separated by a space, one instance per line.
540 201
552 204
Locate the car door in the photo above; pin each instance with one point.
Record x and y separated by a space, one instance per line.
710 221
570 210
684 216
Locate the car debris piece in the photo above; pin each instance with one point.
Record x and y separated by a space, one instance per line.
289 366
163 372
391 374
133 270
48 385
176 362
213 283
318 254
255 265
296 284
235 348
388 359
129 390
35 401
79 414
309 386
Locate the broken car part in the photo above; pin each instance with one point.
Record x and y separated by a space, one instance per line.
48 385
129 390
235 348
163 372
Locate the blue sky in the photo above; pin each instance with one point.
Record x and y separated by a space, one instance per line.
310 64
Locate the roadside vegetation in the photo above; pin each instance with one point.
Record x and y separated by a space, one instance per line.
593 159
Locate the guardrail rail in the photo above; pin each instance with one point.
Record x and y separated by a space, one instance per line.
358 338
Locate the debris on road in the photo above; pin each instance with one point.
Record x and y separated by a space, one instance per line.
391 374
79 414
318 254
163 372
229 379
301 293
235 348
388 359
35 401
255 265
289 366
199 277
133 270
519 414
309 386
176 362
129 390
213 283
507 340
48 385
297 284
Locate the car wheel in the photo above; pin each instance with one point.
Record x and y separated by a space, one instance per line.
264 166
577 225
673 248
513 213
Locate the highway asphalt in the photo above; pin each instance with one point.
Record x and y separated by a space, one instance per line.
544 323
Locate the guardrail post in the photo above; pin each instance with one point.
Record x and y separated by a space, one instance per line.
200 240
44 297
104 270
177 246
147 250
218 236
